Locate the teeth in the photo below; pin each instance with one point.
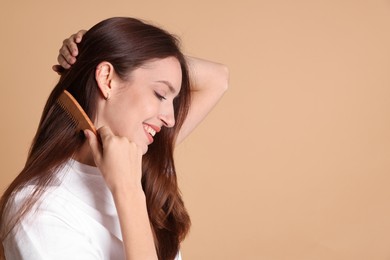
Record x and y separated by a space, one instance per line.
150 130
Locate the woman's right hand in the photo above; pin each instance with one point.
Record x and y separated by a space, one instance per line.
119 160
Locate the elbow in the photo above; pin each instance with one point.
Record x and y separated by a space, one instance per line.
224 78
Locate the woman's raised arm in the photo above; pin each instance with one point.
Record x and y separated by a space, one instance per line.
209 81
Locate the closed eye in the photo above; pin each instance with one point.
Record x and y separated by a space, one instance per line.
160 97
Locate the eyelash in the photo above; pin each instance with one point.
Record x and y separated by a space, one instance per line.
159 96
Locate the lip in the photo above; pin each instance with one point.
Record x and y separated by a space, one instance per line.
155 128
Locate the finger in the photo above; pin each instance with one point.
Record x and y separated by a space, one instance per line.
104 133
71 44
66 53
62 61
79 36
94 144
58 68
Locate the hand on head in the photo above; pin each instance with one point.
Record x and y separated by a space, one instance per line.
68 52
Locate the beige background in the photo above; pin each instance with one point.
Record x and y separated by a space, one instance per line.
294 162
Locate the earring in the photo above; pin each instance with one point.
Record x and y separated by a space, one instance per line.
107 97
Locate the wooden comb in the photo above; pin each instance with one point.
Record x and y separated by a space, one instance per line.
76 112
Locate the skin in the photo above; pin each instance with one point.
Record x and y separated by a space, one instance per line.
119 156
143 101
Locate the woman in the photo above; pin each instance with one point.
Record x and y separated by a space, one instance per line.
115 195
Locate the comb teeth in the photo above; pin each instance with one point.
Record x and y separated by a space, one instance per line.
76 113
71 117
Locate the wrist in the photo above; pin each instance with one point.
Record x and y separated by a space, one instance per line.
128 193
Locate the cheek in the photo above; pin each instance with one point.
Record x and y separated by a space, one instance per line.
152 111
121 119
150 108
127 116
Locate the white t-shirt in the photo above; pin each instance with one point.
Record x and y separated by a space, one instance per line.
76 219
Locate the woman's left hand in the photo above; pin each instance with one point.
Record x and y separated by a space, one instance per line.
68 52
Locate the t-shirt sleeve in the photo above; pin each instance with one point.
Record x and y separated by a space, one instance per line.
178 256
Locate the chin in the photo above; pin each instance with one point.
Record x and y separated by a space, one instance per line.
145 149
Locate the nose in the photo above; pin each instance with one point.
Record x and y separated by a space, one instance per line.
167 116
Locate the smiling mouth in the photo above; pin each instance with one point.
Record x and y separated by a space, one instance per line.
150 130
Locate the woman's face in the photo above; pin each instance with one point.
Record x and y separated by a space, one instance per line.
139 107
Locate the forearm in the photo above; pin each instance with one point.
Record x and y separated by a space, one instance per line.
207 75
135 226
209 81
120 163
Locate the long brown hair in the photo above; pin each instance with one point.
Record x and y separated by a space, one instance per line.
126 43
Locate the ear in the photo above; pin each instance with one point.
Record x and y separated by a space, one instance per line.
103 75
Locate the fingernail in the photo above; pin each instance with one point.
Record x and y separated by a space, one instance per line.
86 134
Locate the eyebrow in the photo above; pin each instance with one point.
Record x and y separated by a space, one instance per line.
171 88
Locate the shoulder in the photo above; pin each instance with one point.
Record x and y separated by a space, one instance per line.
178 256
69 219
54 228
48 231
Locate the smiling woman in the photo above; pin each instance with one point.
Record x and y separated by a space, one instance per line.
115 195
151 100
